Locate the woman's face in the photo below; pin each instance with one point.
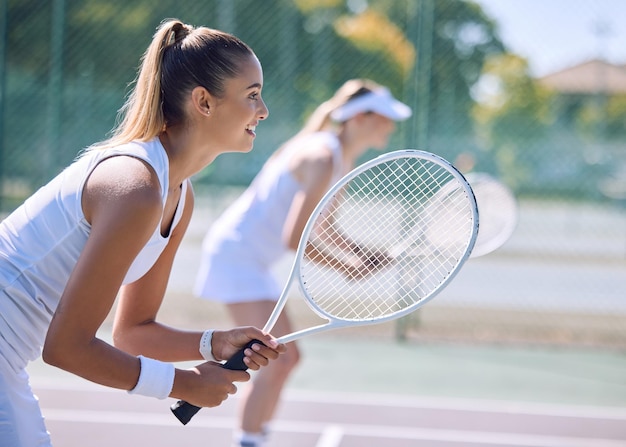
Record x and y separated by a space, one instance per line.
236 115
376 129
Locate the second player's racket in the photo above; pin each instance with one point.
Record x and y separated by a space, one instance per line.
496 205
498 211
376 247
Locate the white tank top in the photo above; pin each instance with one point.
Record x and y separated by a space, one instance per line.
251 228
40 243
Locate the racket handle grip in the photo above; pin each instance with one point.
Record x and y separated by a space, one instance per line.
184 411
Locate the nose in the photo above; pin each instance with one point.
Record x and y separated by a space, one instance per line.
263 111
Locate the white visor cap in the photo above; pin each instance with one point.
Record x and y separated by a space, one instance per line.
378 101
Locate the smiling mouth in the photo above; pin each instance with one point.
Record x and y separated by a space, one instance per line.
251 129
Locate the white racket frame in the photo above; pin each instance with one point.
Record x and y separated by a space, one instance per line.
332 321
508 203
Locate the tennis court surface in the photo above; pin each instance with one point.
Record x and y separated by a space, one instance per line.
364 388
373 393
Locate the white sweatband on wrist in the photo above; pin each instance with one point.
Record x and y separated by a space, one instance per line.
156 378
206 351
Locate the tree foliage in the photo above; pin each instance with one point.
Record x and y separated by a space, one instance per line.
510 99
307 49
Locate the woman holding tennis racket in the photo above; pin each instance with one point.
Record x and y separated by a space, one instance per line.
109 226
268 219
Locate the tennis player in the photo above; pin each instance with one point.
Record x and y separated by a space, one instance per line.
109 225
267 221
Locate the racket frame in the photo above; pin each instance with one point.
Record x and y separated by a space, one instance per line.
479 181
334 322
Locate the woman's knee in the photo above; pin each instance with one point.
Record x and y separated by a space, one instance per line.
289 359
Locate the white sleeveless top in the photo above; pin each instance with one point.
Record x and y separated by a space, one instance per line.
40 243
246 239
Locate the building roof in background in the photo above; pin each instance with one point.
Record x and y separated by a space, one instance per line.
589 77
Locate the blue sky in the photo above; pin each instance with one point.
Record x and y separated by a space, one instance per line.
555 34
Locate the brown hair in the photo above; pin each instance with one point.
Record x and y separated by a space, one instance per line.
179 58
320 118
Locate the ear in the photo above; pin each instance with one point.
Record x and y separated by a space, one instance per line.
202 101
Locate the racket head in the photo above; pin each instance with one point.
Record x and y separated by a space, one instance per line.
498 212
379 205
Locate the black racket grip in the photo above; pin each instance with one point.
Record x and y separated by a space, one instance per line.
184 411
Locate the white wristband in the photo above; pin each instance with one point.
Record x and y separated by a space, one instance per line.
206 351
156 378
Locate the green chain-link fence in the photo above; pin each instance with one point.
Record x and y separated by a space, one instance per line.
65 68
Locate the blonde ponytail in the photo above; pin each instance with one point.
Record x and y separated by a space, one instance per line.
179 58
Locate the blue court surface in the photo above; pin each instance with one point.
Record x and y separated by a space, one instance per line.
358 392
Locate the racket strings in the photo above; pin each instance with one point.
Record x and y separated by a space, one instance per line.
376 211
446 212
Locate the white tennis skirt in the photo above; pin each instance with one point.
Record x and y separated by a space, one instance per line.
226 280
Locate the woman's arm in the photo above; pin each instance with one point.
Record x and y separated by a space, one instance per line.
313 169
137 331
122 202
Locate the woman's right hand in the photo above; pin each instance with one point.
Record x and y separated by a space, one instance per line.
367 262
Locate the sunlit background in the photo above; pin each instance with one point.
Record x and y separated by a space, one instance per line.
532 92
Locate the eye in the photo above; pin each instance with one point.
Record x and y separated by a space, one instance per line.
254 96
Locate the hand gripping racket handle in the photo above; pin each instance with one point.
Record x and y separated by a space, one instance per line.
184 411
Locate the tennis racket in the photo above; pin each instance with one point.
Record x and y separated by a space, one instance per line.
496 205
498 212
376 248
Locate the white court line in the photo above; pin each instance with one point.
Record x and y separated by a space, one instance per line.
369 431
393 400
331 436
449 403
